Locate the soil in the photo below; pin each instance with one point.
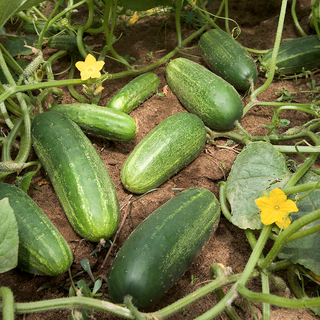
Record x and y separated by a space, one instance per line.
258 23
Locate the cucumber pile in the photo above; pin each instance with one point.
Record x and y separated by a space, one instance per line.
159 250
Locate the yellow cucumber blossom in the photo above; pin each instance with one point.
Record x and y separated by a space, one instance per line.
133 19
275 208
90 68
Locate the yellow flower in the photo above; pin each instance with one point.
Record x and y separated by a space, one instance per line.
275 208
133 19
90 68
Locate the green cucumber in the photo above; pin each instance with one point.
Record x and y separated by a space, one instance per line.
78 175
64 42
37 27
168 148
42 249
100 121
294 56
205 94
228 59
135 92
159 251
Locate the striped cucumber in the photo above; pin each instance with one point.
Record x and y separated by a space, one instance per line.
294 56
42 249
205 94
78 175
169 147
100 121
163 247
64 42
228 59
135 92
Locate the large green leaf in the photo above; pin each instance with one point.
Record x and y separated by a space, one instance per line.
10 7
9 238
258 167
142 5
305 251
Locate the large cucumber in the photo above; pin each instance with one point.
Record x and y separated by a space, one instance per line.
294 56
163 247
100 121
78 175
135 92
42 249
205 94
169 147
228 59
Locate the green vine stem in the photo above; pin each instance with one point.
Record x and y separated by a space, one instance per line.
108 307
302 170
8 303
177 19
223 200
255 93
294 285
281 239
278 301
295 19
232 293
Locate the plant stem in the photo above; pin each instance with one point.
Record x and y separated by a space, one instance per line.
8 303
232 293
255 93
285 234
279 301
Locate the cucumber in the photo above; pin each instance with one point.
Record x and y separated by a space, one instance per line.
294 56
64 42
37 27
228 59
100 121
78 175
205 94
169 147
159 251
42 249
135 92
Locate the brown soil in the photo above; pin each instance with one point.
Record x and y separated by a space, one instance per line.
258 22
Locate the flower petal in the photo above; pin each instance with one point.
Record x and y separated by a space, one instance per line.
90 59
95 74
277 196
80 65
283 222
263 203
268 217
85 75
289 206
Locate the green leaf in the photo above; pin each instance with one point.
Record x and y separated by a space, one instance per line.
9 238
97 286
17 47
10 7
143 5
84 288
258 167
305 251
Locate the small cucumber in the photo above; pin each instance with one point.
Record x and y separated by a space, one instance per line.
205 94
42 249
78 175
37 27
160 250
294 56
64 42
228 59
169 147
100 121
135 92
